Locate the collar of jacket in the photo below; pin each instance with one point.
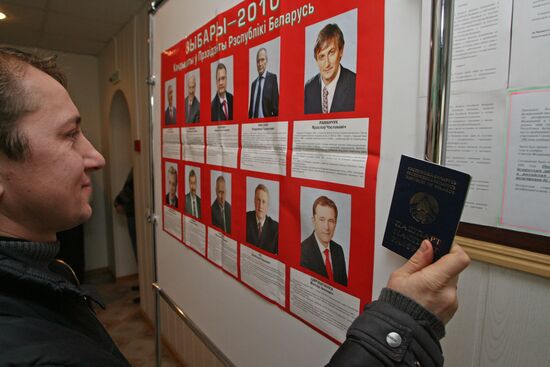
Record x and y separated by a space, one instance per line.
30 264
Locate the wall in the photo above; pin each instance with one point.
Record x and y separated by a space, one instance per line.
128 54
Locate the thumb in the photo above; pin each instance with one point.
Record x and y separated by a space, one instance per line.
421 258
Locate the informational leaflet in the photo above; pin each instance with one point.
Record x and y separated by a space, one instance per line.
476 144
193 144
526 203
276 154
194 234
264 147
331 150
172 222
222 145
222 250
530 54
263 273
318 303
171 143
481 45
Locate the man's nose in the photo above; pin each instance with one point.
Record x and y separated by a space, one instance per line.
93 160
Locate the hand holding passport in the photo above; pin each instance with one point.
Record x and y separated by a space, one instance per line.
427 204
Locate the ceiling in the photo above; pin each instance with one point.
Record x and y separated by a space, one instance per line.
75 26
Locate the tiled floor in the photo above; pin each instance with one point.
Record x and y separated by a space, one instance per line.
123 320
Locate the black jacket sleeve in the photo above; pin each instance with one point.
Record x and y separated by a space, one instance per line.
393 331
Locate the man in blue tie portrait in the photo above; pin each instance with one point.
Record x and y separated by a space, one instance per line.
264 91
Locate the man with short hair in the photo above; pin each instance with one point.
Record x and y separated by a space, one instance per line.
170 112
172 194
221 209
333 88
192 200
261 230
192 105
319 252
222 104
46 164
264 91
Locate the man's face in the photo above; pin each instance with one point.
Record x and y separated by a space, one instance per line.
324 223
221 81
261 61
170 96
220 193
172 184
50 190
191 84
328 60
261 204
193 185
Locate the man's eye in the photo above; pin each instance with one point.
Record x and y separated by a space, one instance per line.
73 134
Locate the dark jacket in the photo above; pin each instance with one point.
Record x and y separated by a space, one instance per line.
393 331
270 96
269 240
312 259
167 200
45 320
218 217
216 112
189 204
344 94
167 119
193 113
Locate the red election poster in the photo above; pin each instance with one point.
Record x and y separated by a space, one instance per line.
271 121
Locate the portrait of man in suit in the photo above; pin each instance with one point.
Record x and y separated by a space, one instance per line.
264 91
319 253
192 200
172 195
333 88
261 230
192 104
170 112
222 104
221 209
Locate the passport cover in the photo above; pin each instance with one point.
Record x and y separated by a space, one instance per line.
427 204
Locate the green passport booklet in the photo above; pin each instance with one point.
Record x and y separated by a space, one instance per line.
427 204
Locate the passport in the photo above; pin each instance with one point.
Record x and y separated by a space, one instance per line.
427 203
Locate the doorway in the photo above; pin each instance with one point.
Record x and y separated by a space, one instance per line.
122 261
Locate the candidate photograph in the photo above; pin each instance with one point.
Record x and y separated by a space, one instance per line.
264 88
171 197
221 207
325 243
192 93
192 196
170 102
262 204
222 101
331 59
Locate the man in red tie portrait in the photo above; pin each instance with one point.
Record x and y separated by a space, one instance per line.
319 252
222 104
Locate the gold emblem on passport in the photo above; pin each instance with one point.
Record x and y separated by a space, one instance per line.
423 208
